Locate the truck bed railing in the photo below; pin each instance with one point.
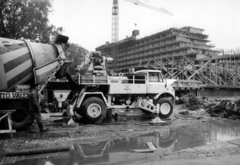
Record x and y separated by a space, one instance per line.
93 79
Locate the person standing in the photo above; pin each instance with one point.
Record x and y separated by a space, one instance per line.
34 108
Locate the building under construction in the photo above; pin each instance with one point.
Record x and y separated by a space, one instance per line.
132 52
181 53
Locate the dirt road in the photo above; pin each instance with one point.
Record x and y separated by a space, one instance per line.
193 138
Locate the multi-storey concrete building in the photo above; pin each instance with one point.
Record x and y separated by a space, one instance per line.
174 42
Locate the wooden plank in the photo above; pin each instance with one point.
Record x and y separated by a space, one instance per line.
9 123
151 146
143 151
2 117
7 131
7 117
5 111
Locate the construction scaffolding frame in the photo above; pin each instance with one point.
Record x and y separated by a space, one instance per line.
213 71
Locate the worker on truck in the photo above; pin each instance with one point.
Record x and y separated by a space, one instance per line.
34 108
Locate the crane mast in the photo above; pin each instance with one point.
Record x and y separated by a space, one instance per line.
115 22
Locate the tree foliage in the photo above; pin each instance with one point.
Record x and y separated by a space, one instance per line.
76 53
26 19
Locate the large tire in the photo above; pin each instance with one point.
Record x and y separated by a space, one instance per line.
93 110
166 108
21 119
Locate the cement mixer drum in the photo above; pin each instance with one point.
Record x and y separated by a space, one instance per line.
18 58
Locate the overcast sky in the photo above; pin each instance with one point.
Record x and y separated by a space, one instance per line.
89 22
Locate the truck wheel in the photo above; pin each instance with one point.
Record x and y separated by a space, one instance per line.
94 110
166 108
21 119
166 138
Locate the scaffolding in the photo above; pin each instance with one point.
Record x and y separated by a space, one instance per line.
213 71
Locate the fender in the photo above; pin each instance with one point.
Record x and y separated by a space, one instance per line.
81 97
159 94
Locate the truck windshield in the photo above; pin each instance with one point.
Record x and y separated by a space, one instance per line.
155 77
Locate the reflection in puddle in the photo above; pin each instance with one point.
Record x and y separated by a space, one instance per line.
166 141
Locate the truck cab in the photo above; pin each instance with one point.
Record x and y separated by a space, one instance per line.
142 82
155 83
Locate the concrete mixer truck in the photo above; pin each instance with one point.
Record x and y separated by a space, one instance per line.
22 64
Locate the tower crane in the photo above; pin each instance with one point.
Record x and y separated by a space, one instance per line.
115 15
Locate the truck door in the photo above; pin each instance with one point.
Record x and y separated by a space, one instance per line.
155 83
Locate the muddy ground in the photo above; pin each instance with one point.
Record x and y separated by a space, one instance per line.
194 138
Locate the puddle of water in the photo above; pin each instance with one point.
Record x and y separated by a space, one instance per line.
165 141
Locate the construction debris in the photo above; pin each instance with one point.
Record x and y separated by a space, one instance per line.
219 108
192 102
184 112
225 109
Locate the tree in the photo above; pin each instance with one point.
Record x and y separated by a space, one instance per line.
27 19
76 53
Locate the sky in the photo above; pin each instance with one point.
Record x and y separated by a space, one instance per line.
89 22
